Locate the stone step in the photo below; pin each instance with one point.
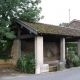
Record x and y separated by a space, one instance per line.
52 69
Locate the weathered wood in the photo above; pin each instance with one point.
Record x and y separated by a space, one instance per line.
19 31
25 36
51 62
27 27
73 39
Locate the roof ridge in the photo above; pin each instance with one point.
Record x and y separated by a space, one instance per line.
72 22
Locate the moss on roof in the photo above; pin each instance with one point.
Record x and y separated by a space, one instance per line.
52 29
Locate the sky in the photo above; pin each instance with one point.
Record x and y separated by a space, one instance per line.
57 11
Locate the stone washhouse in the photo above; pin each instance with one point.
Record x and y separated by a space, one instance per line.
46 41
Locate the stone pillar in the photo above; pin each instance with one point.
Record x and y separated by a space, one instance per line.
79 47
38 53
62 54
16 50
62 49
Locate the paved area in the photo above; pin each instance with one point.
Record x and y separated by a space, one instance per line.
71 74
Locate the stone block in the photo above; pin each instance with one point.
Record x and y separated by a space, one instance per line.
61 66
44 68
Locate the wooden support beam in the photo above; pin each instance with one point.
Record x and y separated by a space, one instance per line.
71 39
25 36
19 31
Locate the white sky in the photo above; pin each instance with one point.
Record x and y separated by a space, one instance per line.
57 11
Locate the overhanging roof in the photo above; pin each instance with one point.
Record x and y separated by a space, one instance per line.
40 28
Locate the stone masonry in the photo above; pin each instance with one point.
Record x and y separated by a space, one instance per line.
16 50
51 50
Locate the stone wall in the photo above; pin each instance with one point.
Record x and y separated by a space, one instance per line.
16 50
6 64
27 47
51 50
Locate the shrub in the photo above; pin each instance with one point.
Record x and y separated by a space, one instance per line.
71 56
26 63
5 49
77 61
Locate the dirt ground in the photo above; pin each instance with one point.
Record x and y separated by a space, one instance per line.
9 72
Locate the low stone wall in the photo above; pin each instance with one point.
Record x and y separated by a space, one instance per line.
7 63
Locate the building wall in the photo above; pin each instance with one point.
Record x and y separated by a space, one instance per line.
27 47
51 50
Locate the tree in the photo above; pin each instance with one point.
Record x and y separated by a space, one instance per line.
9 10
63 24
22 9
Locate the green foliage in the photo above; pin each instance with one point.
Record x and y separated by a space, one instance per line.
77 62
5 49
75 59
71 44
31 11
26 63
63 24
22 9
71 56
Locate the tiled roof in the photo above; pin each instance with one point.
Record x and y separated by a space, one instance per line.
52 29
74 24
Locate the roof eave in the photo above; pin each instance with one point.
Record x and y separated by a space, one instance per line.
27 27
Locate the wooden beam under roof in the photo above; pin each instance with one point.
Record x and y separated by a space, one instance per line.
25 36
